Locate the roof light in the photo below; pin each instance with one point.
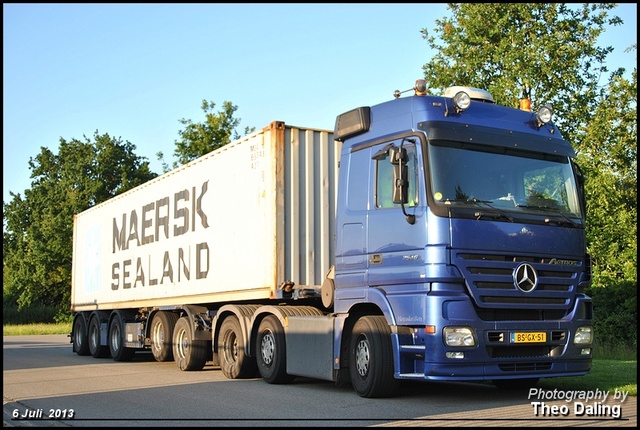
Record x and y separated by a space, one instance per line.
544 114
525 104
461 101
420 87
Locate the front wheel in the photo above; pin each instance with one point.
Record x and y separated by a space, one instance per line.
371 358
271 351
188 352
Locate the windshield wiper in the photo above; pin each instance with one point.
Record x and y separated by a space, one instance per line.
497 214
564 221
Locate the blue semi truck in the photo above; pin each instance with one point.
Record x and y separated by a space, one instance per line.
427 238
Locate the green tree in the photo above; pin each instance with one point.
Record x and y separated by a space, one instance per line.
609 159
198 139
38 229
547 52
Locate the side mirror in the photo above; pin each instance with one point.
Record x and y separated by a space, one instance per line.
398 157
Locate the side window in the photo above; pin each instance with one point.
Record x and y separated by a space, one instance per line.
358 181
384 184
384 177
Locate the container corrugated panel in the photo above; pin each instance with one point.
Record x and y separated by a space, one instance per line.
232 225
311 177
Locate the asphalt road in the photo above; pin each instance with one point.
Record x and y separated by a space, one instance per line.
46 385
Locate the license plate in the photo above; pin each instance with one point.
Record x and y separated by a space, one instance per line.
529 337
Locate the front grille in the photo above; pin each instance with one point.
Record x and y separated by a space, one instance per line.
519 351
520 314
490 283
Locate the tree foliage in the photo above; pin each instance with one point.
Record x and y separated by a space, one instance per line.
547 52
198 139
38 229
609 159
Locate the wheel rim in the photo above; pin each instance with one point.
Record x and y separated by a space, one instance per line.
78 335
267 348
362 357
182 344
93 336
230 350
157 337
115 337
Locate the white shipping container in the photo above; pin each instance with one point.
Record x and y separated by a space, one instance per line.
232 225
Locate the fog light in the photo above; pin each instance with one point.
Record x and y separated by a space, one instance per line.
585 351
455 354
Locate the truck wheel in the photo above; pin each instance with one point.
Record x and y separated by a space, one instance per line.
97 350
189 354
271 351
371 358
234 362
80 337
119 352
162 328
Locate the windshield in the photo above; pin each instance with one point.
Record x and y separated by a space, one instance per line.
515 182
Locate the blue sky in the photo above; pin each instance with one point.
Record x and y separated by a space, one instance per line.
134 70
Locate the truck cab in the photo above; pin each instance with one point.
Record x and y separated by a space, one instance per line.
462 223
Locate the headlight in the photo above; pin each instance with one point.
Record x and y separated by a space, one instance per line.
584 335
459 336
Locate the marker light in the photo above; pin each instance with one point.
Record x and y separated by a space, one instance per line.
525 104
420 87
544 115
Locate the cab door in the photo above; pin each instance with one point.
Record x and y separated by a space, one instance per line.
396 227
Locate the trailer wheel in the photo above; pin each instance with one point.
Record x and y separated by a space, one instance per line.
189 353
271 351
97 350
119 352
234 362
80 337
371 358
162 328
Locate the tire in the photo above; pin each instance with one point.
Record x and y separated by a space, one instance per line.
189 354
271 352
371 358
117 348
97 350
234 362
80 336
162 328
515 384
